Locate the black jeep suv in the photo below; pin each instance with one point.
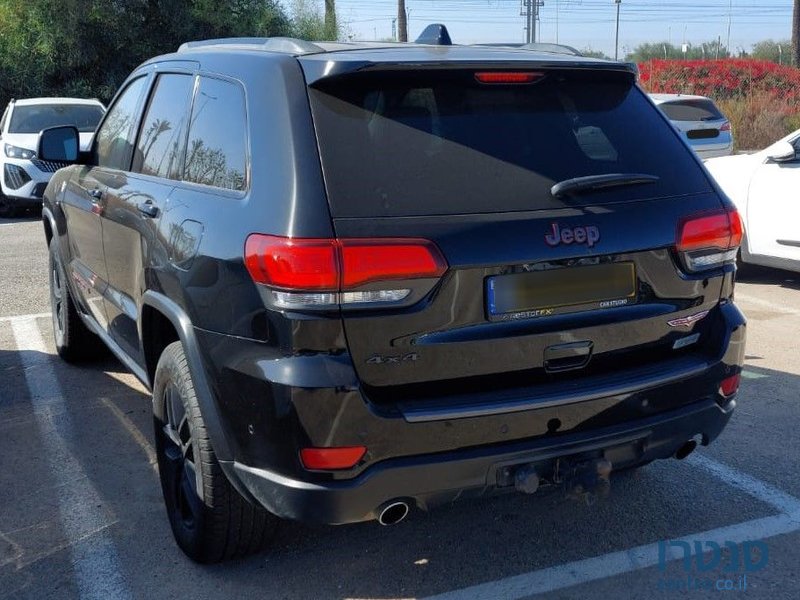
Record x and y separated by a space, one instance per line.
364 278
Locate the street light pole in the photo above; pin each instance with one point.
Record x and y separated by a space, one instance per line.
616 43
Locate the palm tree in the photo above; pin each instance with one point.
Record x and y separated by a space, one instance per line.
796 34
402 23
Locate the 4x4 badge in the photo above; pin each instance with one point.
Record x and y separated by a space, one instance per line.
589 235
687 321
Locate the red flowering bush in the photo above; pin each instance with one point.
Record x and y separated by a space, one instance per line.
761 98
721 79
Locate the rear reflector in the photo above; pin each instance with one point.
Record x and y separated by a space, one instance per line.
710 240
325 272
508 76
730 386
331 459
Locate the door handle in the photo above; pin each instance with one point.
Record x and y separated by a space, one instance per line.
148 209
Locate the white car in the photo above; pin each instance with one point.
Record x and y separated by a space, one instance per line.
24 176
699 121
765 187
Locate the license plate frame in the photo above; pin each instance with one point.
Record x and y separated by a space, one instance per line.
530 294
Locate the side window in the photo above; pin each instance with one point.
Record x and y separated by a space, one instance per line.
115 136
160 145
217 150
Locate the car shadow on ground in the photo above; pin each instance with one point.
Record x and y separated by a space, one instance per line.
767 276
25 217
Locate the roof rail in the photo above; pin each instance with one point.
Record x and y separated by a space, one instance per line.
284 45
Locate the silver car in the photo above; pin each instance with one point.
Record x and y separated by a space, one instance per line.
699 120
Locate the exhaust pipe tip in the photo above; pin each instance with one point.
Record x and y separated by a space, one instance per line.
686 449
393 513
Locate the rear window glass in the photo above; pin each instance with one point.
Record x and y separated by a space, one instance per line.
33 118
691 110
216 154
439 142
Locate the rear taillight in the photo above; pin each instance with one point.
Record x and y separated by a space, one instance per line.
726 126
709 241
324 273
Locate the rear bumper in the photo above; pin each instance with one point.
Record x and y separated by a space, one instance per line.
426 481
428 458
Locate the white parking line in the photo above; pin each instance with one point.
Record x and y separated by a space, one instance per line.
642 557
95 561
16 318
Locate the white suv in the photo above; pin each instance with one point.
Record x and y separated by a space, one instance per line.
23 176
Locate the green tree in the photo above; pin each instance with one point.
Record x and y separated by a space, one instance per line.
308 23
779 52
588 52
661 50
87 47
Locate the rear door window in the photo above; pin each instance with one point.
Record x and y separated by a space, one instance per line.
691 110
159 149
216 153
424 143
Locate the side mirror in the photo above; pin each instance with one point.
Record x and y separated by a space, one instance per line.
781 152
59 144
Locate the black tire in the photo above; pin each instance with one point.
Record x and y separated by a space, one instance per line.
222 524
74 341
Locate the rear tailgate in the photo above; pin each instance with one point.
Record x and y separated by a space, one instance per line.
437 154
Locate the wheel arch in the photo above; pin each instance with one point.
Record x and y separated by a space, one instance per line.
49 223
158 310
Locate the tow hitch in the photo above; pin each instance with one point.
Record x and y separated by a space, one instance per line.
583 480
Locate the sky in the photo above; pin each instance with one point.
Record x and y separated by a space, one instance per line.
580 23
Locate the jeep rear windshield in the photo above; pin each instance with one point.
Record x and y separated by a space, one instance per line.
431 142
35 117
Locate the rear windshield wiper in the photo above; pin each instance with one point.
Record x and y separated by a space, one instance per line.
599 182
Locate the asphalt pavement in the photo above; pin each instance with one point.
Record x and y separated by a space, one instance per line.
81 514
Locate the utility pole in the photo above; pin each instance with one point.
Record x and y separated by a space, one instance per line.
530 10
331 29
557 11
730 22
616 43
796 34
525 11
402 21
